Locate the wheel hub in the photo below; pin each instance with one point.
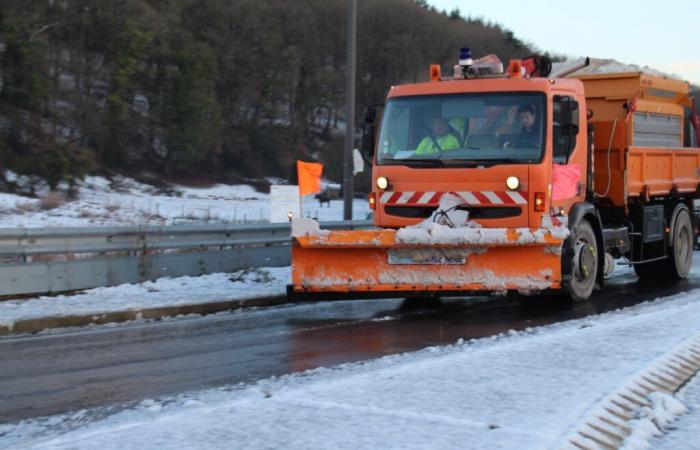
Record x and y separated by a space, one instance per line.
584 260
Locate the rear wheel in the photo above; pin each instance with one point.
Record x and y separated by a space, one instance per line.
584 267
680 254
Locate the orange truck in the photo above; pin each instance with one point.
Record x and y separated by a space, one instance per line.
550 180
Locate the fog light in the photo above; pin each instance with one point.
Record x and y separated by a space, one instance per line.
513 183
382 183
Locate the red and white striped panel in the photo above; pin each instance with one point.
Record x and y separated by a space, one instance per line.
469 197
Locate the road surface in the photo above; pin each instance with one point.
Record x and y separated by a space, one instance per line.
66 371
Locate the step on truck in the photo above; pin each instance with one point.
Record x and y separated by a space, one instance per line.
494 181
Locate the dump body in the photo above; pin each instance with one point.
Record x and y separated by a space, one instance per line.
639 136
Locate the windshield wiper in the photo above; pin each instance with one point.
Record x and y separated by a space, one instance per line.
483 162
420 162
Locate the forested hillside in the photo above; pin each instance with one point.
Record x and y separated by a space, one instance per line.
215 88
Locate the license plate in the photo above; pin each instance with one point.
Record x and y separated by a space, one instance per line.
427 257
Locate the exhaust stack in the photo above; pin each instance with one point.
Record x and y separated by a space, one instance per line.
561 73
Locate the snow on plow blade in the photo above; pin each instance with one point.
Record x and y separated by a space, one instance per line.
373 263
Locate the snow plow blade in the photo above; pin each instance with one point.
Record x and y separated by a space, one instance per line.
407 262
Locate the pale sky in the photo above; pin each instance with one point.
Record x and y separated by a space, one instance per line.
664 35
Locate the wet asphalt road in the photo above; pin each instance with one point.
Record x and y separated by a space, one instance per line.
66 371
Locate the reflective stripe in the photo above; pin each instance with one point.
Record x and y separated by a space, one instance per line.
484 200
394 198
517 197
469 197
404 197
425 198
505 197
415 197
495 199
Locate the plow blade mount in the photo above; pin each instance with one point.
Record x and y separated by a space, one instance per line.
385 263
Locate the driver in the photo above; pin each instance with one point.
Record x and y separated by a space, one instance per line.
438 140
529 130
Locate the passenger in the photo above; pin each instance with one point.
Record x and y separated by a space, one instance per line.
438 140
530 134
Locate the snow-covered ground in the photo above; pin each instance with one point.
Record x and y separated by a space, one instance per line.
127 202
686 432
519 390
244 284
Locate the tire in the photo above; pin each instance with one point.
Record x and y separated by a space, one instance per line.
680 255
584 267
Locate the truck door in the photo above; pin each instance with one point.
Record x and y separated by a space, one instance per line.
569 155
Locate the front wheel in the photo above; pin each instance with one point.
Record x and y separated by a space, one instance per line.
584 267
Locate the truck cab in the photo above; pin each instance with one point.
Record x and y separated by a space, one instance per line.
503 171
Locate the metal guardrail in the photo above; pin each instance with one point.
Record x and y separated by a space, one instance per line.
52 260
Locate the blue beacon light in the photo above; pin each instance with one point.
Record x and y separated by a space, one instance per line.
465 56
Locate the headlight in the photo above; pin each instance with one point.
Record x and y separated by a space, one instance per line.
513 183
382 183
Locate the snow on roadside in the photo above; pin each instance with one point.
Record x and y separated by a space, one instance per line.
245 284
517 390
653 421
127 202
685 432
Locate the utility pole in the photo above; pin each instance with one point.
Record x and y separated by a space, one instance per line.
348 181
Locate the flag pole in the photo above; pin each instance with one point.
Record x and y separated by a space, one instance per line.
348 181
301 209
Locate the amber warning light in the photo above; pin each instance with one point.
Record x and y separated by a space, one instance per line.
539 201
372 200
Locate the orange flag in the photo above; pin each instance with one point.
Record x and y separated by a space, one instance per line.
309 177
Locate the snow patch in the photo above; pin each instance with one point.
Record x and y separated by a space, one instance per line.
123 201
598 66
451 226
435 233
243 284
307 227
653 421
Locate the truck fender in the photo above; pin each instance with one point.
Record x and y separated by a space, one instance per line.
672 222
578 212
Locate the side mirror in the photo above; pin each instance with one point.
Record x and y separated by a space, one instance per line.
569 122
368 142
371 114
369 131
565 126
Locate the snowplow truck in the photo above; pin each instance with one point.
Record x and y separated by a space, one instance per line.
551 181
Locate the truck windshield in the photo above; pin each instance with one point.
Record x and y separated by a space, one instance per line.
479 129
